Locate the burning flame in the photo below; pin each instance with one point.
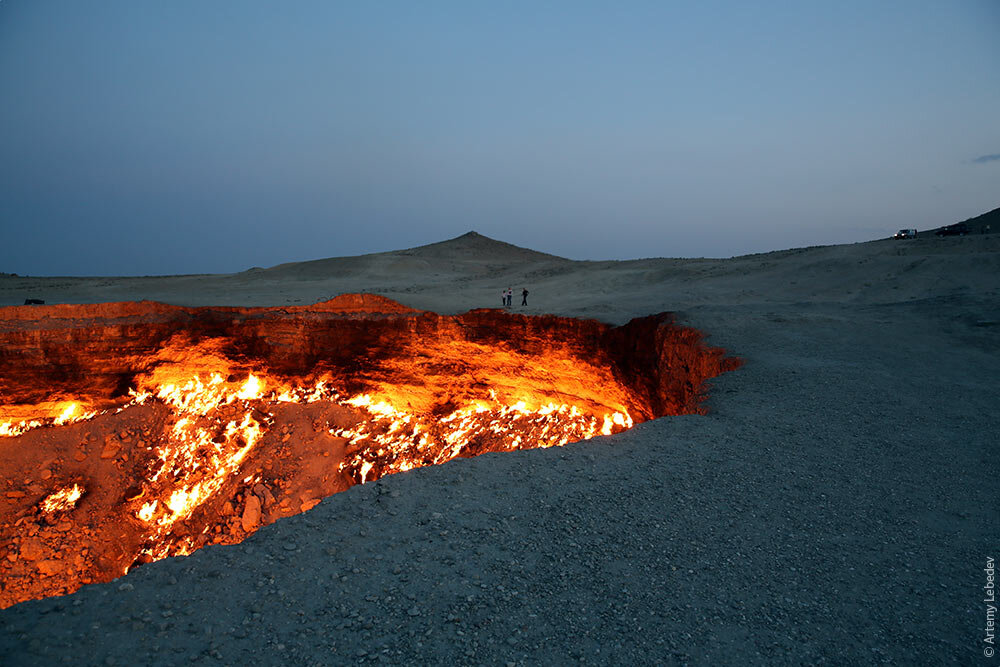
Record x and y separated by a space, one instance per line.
203 450
217 422
395 441
10 429
62 500
67 414
53 413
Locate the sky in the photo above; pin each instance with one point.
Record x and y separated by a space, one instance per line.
146 138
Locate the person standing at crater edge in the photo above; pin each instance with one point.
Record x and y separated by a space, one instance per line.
524 296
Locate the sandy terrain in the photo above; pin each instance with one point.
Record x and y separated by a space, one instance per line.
837 505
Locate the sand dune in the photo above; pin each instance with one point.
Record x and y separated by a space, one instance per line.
837 505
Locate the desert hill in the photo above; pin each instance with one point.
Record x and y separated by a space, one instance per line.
470 271
978 223
468 253
984 223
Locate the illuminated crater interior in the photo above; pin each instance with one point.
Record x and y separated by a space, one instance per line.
130 432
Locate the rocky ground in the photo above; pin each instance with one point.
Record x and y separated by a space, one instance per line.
837 505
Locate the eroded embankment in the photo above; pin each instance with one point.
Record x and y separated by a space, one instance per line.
137 431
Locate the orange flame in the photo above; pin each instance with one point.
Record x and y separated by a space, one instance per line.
50 413
200 455
62 500
394 441
218 421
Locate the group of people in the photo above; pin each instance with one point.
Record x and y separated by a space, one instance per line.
508 296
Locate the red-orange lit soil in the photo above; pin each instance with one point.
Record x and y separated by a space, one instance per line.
134 431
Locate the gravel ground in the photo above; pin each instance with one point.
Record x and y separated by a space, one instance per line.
837 506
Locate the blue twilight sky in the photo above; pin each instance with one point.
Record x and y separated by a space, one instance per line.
189 136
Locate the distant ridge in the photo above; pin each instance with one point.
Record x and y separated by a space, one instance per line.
991 218
469 248
976 225
475 242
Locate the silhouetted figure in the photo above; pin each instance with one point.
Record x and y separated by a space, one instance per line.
510 297
524 297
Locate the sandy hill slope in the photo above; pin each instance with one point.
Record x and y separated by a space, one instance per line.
471 271
474 246
979 223
985 223
469 251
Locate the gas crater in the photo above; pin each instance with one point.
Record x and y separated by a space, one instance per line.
130 432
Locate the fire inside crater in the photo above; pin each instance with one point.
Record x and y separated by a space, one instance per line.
131 432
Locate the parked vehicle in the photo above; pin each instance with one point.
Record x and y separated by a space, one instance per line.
958 229
905 234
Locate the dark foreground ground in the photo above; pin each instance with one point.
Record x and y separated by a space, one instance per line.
837 506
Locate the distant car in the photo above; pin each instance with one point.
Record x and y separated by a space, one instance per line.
958 229
905 234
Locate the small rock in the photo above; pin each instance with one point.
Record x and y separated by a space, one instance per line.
414 612
251 513
49 567
309 504
264 493
32 550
